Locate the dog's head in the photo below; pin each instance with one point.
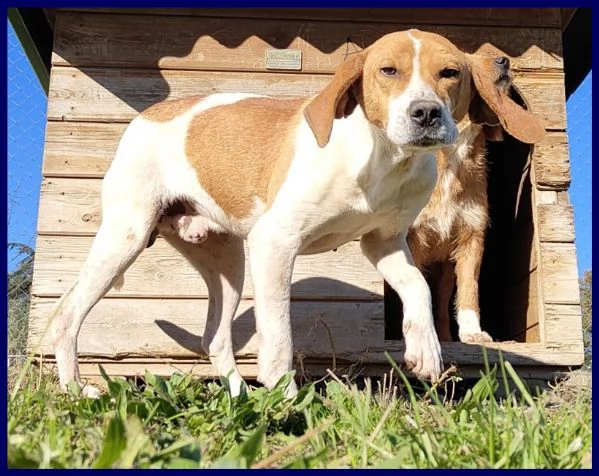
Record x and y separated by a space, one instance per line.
412 85
497 71
415 86
491 105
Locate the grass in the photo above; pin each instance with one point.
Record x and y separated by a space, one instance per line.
184 422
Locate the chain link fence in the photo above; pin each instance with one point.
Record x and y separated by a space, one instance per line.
580 139
26 118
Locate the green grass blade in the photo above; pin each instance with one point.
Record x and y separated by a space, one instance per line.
115 442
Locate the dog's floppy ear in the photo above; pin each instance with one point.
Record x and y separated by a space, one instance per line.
516 121
335 101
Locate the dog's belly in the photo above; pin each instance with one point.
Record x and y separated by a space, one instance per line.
327 243
340 230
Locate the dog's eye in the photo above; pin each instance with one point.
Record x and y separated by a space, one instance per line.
502 61
389 71
449 73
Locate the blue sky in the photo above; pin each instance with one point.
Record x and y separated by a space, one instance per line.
26 126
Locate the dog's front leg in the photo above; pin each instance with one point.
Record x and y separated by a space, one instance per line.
468 257
391 256
272 254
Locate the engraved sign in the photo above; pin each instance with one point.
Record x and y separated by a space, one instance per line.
284 59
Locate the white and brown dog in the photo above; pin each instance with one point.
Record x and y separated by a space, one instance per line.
450 231
290 176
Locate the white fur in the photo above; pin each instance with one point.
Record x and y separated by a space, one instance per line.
469 327
449 210
468 321
399 127
359 185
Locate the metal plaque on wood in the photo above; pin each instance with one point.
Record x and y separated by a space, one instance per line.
284 59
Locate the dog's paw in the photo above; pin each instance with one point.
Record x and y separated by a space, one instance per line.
237 386
89 391
423 351
291 390
475 337
469 328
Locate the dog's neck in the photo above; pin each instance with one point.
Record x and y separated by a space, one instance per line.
470 136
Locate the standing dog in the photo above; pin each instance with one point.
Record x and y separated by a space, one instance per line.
450 231
290 176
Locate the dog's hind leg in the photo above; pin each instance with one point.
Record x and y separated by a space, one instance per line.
221 262
123 234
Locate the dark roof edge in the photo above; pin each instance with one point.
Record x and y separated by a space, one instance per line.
36 36
577 41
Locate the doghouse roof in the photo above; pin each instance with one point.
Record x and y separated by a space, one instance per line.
35 29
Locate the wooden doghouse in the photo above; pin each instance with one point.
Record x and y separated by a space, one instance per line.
108 65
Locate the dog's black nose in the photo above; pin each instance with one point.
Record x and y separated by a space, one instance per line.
503 61
425 113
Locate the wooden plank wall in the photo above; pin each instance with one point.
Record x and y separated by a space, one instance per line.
110 64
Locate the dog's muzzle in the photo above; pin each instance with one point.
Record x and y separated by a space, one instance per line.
429 127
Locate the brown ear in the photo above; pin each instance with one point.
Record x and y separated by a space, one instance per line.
334 101
518 122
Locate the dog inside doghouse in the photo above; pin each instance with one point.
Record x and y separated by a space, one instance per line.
508 276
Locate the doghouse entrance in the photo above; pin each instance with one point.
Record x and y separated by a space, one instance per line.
508 279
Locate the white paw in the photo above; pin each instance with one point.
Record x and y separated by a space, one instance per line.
423 351
89 391
469 327
270 382
237 385
475 337
291 390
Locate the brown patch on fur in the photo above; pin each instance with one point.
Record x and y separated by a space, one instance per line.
376 88
437 54
470 183
335 101
360 80
465 242
167 110
243 150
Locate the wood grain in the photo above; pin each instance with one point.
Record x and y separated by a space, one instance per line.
551 162
155 329
563 325
80 149
173 328
226 44
560 273
69 207
117 95
161 272
308 370
531 17
556 223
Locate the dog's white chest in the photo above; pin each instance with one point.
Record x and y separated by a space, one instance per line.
358 204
